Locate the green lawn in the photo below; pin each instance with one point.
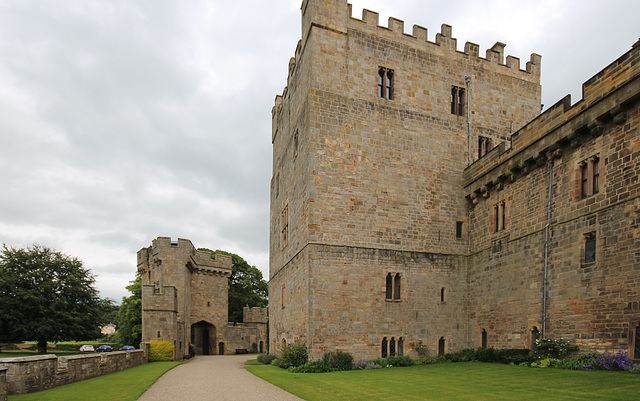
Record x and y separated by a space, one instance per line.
127 384
456 381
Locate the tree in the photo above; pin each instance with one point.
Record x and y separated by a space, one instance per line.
130 315
46 296
246 286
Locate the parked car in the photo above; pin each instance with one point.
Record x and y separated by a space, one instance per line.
87 348
127 348
104 348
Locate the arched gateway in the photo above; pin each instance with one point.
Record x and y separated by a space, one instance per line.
185 301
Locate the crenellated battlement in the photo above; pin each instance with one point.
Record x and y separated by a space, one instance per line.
320 13
445 40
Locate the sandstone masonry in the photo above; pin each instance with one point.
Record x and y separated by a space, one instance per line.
185 300
410 190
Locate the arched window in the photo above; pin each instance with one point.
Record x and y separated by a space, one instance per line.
384 347
441 346
392 347
484 338
534 336
389 286
442 294
396 287
400 346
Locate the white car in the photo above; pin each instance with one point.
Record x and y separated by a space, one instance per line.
87 348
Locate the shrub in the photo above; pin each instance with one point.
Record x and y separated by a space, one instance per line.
634 369
294 355
254 348
160 351
312 367
338 360
428 360
487 355
617 361
577 363
275 362
515 356
266 358
401 360
372 365
360 364
546 363
420 348
550 348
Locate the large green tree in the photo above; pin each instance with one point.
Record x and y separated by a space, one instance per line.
130 315
246 286
46 296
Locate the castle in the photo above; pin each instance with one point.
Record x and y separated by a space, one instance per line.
418 194
185 301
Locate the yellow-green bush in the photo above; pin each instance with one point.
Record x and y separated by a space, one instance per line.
160 351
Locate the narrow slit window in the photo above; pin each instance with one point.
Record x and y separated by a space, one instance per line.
590 248
396 287
389 284
385 83
585 180
457 100
596 175
392 347
458 229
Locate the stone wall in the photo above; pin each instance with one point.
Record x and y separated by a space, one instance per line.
42 372
3 384
362 184
366 185
593 303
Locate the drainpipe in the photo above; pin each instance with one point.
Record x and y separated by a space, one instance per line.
546 252
467 79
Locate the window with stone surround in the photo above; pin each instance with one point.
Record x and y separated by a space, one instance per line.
284 232
589 176
442 346
458 100
384 352
393 287
442 294
385 83
392 347
458 229
590 247
484 145
484 338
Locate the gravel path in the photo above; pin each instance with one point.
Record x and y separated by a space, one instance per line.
217 378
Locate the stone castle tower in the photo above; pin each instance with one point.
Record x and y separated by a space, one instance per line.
185 300
377 229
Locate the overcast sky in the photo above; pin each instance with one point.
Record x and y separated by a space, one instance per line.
122 121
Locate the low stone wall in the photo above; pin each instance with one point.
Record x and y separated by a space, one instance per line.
3 384
36 373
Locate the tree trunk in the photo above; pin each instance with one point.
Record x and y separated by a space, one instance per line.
42 346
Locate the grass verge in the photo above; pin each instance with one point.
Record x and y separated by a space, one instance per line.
455 381
125 385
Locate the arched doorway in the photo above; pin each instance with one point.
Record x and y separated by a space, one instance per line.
203 338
